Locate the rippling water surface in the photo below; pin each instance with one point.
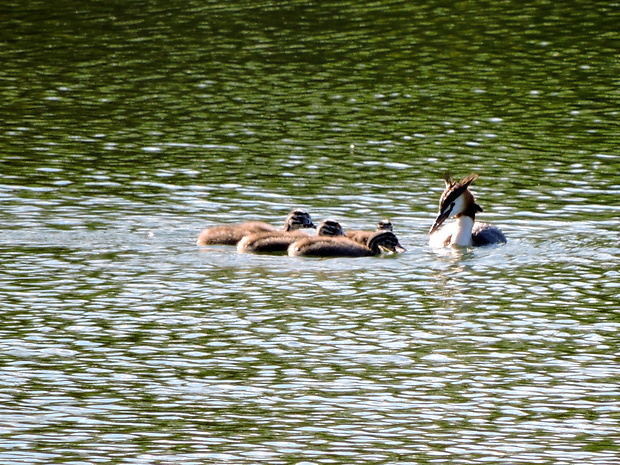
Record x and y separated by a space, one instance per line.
128 127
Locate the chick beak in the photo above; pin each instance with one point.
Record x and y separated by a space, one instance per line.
399 249
396 249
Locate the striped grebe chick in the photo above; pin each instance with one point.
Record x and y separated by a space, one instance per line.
271 242
458 201
383 241
363 236
231 234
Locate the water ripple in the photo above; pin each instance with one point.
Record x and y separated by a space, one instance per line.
125 134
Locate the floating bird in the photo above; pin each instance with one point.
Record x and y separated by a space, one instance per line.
231 234
459 202
383 241
329 228
280 240
362 236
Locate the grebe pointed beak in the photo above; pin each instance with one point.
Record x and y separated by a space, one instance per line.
443 216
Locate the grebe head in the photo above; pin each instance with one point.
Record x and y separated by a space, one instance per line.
456 200
298 219
385 225
385 241
329 228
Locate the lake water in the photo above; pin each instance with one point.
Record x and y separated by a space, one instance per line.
129 126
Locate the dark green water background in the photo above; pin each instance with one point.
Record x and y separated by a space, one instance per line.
128 126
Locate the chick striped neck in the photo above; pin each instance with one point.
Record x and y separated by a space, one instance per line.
298 219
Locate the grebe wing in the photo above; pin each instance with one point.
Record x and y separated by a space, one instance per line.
486 234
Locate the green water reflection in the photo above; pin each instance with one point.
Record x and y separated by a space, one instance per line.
500 85
127 118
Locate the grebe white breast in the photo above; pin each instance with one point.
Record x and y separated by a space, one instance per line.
231 234
273 242
457 201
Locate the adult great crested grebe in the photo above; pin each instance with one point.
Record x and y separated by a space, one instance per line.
459 202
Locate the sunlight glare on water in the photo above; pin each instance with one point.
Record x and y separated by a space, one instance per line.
129 129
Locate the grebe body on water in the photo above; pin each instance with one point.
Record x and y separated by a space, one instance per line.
363 236
231 234
273 242
383 241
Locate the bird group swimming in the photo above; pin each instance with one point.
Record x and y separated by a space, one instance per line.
331 240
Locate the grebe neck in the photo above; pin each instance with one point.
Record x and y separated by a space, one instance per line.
461 237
